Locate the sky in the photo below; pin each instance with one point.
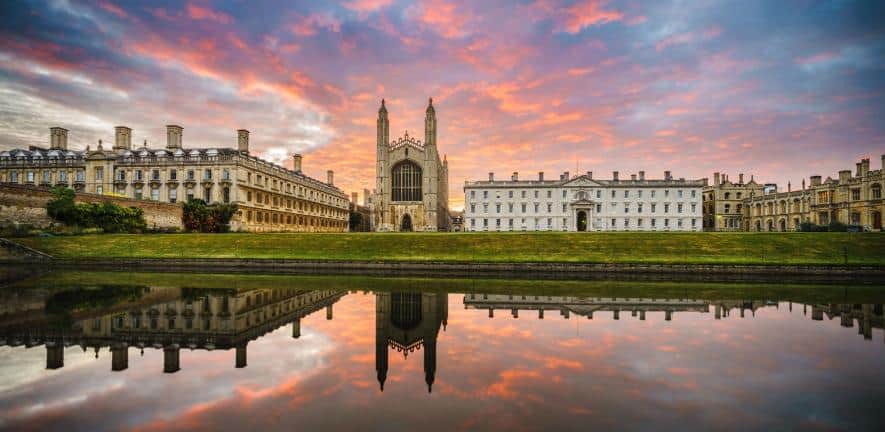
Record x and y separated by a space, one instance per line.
780 90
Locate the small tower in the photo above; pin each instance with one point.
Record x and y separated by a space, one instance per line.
431 159
383 177
243 141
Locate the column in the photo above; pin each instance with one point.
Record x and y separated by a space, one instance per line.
329 312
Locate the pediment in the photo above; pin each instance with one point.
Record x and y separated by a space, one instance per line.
581 181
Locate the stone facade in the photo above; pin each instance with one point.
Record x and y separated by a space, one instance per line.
412 182
269 197
20 204
849 199
724 202
582 203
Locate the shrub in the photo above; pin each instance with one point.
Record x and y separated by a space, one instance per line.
107 215
198 216
837 227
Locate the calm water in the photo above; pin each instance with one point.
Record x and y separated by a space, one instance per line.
111 351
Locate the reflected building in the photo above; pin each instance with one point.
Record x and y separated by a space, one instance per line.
408 322
167 319
868 316
582 306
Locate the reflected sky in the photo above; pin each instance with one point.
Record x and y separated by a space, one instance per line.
762 364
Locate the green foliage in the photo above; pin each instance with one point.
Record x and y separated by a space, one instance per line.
108 216
837 227
810 227
200 217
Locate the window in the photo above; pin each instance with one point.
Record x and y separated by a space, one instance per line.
472 222
639 208
190 194
225 174
190 174
510 194
563 193
666 192
639 193
694 194
876 191
485 208
47 177
137 174
613 223
207 174
598 208
653 205
694 223
679 193
207 194
472 194
173 174
225 195
563 208
99 174
536 194
613 193
121 175
406 182
679 223
523 194
29 177
80 176
598 194
666 208
155 194
485 194
549 208
626 223
99 190
855 194
155 175
695 206
653 222
510 207
549 194
485 223
653 193
626 207
138 193
472 208
727 208
173 195
63 176
497 208
523 207
536 204
626 193
13 177
679 208
666 222
639 223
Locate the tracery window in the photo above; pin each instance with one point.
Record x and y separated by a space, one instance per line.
406 182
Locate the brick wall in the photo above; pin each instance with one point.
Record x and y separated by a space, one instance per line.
27 205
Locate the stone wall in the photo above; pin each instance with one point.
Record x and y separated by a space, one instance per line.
27 205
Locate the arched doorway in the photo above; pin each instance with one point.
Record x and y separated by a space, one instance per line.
582 221
783 225
758 225
770 225
877 220
406 224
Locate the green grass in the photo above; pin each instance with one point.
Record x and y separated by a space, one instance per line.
651 248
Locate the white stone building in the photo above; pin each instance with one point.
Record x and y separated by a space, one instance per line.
583 203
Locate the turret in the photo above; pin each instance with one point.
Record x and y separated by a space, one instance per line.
296 162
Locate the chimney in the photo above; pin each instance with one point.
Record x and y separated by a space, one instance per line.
815 180
173 137
365 197
864 166
614 176
296 162
667 176
716 179
330 177
566 176
243 141
803 184
883 163
590 175
515 176
858 167
122 138
844 176
741 178
491 176
633 177
354 198
641 175
58 139
541 173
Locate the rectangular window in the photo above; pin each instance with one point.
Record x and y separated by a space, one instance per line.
694 194
485 194
155 175
173 195
666 192
99 173
497 208
652 193
13 177
613 193
190 174
99 190
855 194
485 208
536 204
62 176
80 176
207 174
598 208
564 208
510 194
225 174
47 177
563 193
626 193
666 208
472 208
510 207
549 208
666 222
523 207
653 222
653 205
190 194
173 174
138 193
598 194
155 194
695 206
472 195
679 208
626 223
626 207
29 176
639 208
549 194
138 174
679 193
472 222
536 194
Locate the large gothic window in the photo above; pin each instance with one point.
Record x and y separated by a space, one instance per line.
406 179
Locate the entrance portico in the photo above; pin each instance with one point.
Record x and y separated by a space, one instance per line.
581 212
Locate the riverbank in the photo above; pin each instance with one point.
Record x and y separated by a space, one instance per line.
717 249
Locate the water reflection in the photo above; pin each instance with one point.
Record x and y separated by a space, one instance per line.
512 354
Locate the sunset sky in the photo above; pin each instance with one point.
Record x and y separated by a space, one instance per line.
778 89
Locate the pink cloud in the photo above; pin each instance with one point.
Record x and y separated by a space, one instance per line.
204 13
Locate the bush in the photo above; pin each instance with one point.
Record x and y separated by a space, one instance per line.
108 216
837 227
810 227
198 216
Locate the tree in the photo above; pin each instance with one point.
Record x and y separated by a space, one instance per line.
198 216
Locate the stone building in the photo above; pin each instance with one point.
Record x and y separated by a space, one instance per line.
269 197
582 203
724 202
849 199
412 182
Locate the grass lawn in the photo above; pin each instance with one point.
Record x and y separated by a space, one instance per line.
657 248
